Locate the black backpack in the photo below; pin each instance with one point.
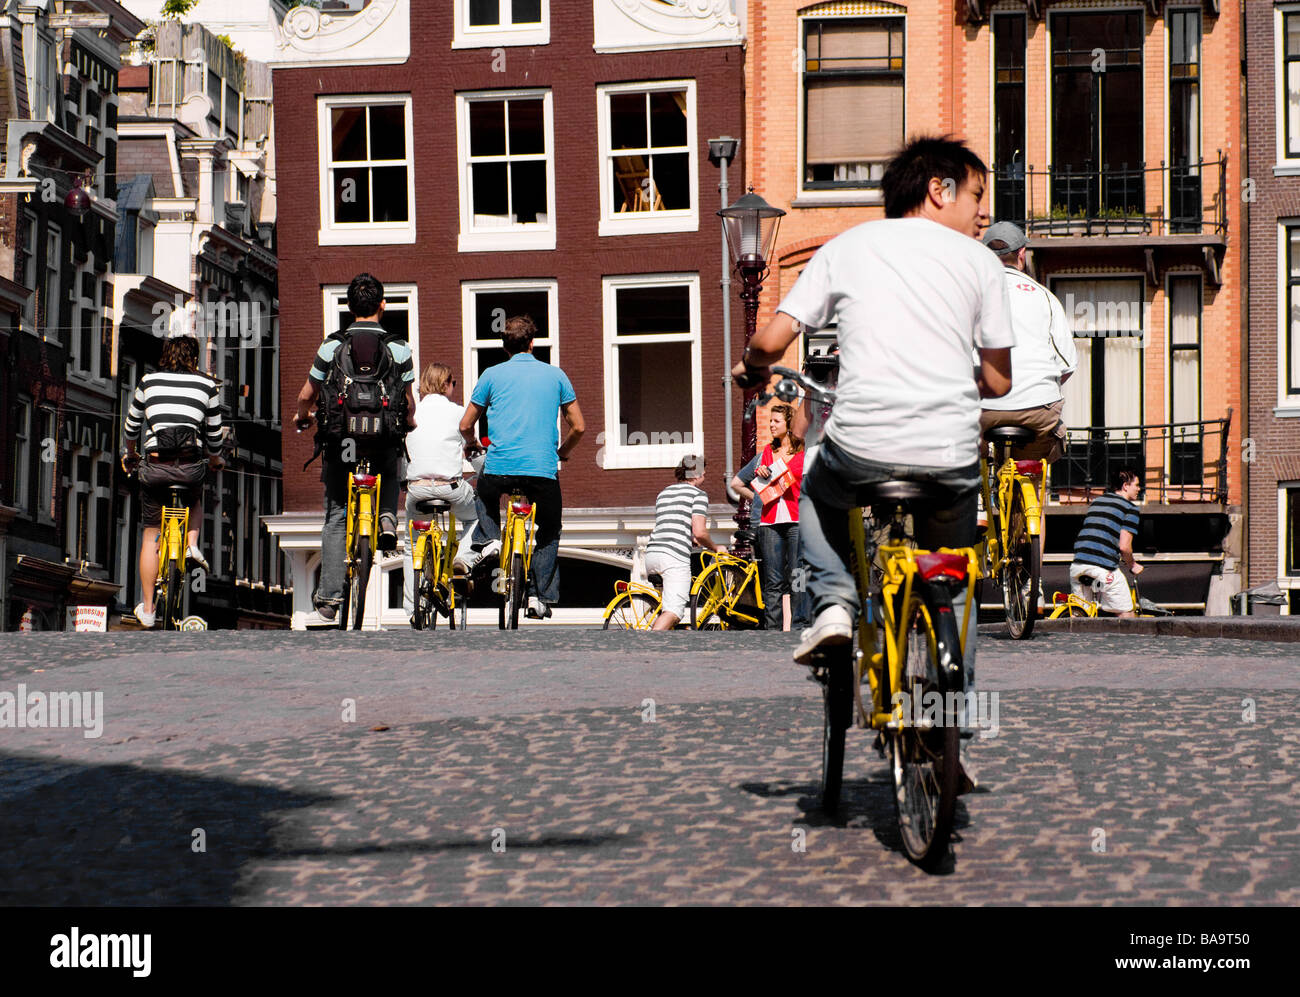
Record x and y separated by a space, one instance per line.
362 397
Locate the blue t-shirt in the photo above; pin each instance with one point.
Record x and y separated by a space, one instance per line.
522 398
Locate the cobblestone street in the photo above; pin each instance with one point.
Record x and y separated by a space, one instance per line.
1124 770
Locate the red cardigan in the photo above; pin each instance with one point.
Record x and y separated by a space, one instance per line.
791 495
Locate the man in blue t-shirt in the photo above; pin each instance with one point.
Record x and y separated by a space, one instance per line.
521 398
1105 539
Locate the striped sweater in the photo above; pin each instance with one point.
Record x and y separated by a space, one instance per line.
175 398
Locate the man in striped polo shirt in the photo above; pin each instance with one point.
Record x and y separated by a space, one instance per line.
681 518
176 411
1105 539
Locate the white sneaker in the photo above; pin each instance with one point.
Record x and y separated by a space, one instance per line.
538 610
832 628
466 564
195 556
147 620
317 618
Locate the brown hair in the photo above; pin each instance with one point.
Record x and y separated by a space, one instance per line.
1004 253
180 354
691 466
520 330
786 412
435 379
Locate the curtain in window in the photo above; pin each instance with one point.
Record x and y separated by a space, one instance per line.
1185 364
853 121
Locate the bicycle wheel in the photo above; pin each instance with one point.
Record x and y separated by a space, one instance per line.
359 580
167 602
707 600
837 715
512 600
631 611
923 749
1020 573
425 616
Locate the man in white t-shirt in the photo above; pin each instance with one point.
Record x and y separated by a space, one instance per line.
1043 358
914 294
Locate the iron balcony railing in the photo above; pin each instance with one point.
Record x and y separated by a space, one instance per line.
1114 199
1178 461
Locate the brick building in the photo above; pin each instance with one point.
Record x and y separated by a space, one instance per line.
546 156
1271 456
1092 116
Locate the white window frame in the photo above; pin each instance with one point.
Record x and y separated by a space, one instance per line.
52 332
92 372
31 275
504 35
1286 165
1288 405
22 467
471 344
1285 581
362 233
334 298
47 473
504 238
617 454
635 222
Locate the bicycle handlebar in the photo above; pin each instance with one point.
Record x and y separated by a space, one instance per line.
787 389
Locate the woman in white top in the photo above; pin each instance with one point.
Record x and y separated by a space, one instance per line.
436 455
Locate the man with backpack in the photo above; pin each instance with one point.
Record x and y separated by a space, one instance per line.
361 383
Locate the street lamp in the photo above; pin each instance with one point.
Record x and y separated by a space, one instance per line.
750 226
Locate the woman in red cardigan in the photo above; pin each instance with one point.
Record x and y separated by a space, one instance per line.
777 536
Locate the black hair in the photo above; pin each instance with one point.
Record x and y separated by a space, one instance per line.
365 294
906 182
1121 477
691 466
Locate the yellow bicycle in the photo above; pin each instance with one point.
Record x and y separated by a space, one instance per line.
169 589
1077 607
634 606
517 544
1012 552
433 546
362 541
910 648
727 593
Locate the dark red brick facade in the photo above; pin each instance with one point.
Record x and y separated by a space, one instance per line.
570 68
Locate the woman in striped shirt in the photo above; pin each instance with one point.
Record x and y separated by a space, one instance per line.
176 411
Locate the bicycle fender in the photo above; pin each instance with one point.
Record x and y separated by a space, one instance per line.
1033 511
698 580
947 635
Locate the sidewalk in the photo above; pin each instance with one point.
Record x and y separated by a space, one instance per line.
1284 629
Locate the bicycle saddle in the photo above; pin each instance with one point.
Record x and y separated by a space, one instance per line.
744 536
655 579
902 491
1014 435
431 505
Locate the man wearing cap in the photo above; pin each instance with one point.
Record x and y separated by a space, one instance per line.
1042 359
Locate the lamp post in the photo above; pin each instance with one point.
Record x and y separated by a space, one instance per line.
750 225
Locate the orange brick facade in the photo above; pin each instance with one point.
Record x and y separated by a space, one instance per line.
948 88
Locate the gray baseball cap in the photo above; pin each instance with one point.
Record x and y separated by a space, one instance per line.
1007 232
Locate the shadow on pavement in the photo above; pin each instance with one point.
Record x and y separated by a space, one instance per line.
122 835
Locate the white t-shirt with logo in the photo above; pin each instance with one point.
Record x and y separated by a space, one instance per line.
913 299
1044 349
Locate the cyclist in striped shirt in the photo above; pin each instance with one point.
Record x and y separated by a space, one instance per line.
1105 539
681 518
176 413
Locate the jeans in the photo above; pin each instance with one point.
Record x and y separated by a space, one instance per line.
463 506
545 492
829 490
334 534
778 552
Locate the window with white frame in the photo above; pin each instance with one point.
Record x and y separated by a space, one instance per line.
1186 454
653 411
366 170
1108 319
1289 285
51 290
485 307
41 74
507 170
87 311
482 23
400 320
1287 25
21 470
1288 495
649 163
27 268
